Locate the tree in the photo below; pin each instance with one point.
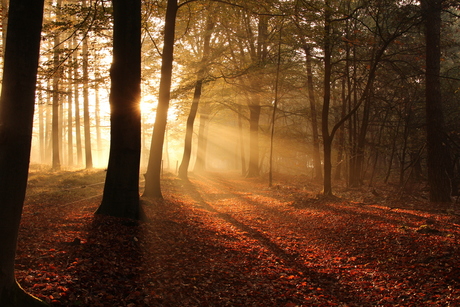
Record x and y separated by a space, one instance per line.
69 118
183 169
327 136
259 57
314 124
87 130
56 96
382 33
438 160
121 190
77 103
4 14
153 174
16 120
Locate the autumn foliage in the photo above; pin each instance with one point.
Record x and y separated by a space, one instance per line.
227 241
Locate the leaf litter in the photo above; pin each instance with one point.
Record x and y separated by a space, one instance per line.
224 240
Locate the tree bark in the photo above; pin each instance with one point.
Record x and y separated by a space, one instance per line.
69 120
327 138
153 174
183 169
4 4
56 80
314 121
77 106
254 115
241 141
438 160
341 137
121 189
86 119
200 162
16 122
97 119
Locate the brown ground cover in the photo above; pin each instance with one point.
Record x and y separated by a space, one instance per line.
223 240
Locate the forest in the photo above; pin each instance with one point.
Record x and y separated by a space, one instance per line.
190 125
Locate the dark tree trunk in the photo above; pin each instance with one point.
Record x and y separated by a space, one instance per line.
97 119
56 97
438 160
77 106
241 141
41 125
16 121
153 174
341 137
86 120
254 115
183 169
121 190
259 59
4 4
314 121
200 162
327 138
361 143
275 109
69 120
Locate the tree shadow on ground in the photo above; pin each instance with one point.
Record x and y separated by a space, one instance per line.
327 282
106 264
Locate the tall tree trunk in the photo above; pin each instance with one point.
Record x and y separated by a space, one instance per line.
86 118
42 127
97 119
70 119
275 109
361 142
241 141
393 152
121 189
341 137
314 121
76 78
254 116
183 169
4 4
376 148
56 80
48 125
327 138
200 162
254 101
153 174
407 118
353 123
438 160
61 120
16 122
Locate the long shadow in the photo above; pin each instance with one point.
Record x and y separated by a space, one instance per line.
106 263
401 246
324 206
401 221
327 282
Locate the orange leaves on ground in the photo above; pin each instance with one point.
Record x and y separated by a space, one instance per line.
234 242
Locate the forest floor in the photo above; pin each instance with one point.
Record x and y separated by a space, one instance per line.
223 240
